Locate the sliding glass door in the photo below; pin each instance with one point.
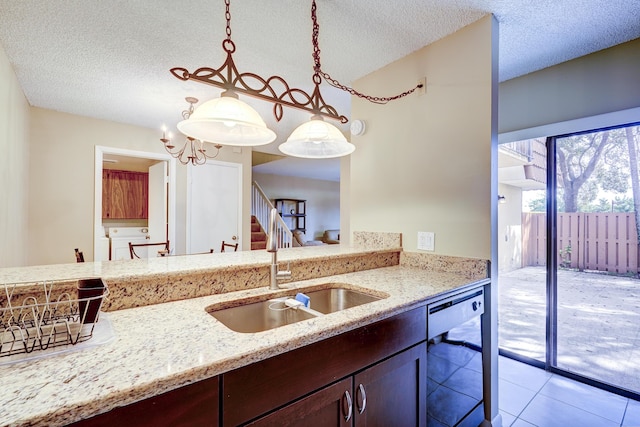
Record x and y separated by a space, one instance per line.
594 290
569 283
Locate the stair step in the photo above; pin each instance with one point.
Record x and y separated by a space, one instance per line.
258 237
258 245
255 227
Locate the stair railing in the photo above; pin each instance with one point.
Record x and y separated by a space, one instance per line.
260 208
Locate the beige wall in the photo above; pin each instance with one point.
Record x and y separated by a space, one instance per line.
61 182
593 85
425 162
323 199
14 167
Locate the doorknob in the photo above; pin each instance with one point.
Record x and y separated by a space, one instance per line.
234 238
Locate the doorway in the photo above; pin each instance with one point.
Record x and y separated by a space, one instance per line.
162 220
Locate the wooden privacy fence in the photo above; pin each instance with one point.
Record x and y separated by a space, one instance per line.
586 241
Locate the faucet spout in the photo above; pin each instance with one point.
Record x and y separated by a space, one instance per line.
272 246
272 239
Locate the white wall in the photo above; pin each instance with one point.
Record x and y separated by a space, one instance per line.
425 162
323 199
14 167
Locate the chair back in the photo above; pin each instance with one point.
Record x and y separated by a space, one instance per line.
229 245
161 252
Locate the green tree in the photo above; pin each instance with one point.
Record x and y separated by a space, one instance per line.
589 163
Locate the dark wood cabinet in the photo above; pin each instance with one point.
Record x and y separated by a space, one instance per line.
195 404
375 375
330 406
125 194
390 393
393 392
255 390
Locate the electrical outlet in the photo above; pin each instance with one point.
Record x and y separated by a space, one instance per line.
426 240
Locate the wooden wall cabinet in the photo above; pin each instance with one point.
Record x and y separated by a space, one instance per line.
125 194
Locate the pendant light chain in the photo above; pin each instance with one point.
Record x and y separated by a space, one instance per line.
335 83
227 15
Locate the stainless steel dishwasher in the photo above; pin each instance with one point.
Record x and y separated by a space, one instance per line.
454 360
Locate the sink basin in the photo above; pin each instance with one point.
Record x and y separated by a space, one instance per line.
335 299
257 316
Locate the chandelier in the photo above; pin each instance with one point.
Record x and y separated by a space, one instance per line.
192 150
228 121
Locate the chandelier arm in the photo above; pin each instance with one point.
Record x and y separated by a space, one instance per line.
335 83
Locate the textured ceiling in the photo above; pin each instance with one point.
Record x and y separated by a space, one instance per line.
110 59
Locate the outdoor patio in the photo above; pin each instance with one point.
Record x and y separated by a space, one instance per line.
598 322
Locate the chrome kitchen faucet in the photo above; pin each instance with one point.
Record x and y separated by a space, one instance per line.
272 246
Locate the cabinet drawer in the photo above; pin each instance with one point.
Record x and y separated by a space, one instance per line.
258 388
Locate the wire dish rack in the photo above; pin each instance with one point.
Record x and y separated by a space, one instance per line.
44 315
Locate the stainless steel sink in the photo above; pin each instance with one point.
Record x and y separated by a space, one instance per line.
259 316
248 317
335 299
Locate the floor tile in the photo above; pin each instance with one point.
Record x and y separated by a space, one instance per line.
457 354
632 414
439 369
475 364
507 419
513 398
590 399
522 374
466 382
449 406
522 423
547 412
432 422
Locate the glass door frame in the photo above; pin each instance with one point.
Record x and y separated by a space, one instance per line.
551 341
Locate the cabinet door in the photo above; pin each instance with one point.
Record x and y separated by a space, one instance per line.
124 194
393 392
136 185
330 406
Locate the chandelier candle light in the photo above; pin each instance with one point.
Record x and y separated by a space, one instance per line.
192 150
228 121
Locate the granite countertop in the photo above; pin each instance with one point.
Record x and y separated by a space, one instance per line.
161 347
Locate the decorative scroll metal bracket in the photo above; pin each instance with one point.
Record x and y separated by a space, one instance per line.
227 77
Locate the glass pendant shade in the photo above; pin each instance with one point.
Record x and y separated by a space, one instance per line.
317 139
228 121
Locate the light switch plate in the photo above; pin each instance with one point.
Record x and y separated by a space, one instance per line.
426 240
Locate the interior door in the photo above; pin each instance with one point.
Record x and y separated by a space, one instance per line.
157 222
214 210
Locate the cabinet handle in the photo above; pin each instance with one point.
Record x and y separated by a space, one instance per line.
347 396
363 397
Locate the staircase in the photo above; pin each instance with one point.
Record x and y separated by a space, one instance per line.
258 236
260 209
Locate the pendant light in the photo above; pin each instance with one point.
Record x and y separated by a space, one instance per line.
228 121
317 139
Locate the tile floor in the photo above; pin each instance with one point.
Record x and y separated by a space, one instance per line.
529 396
